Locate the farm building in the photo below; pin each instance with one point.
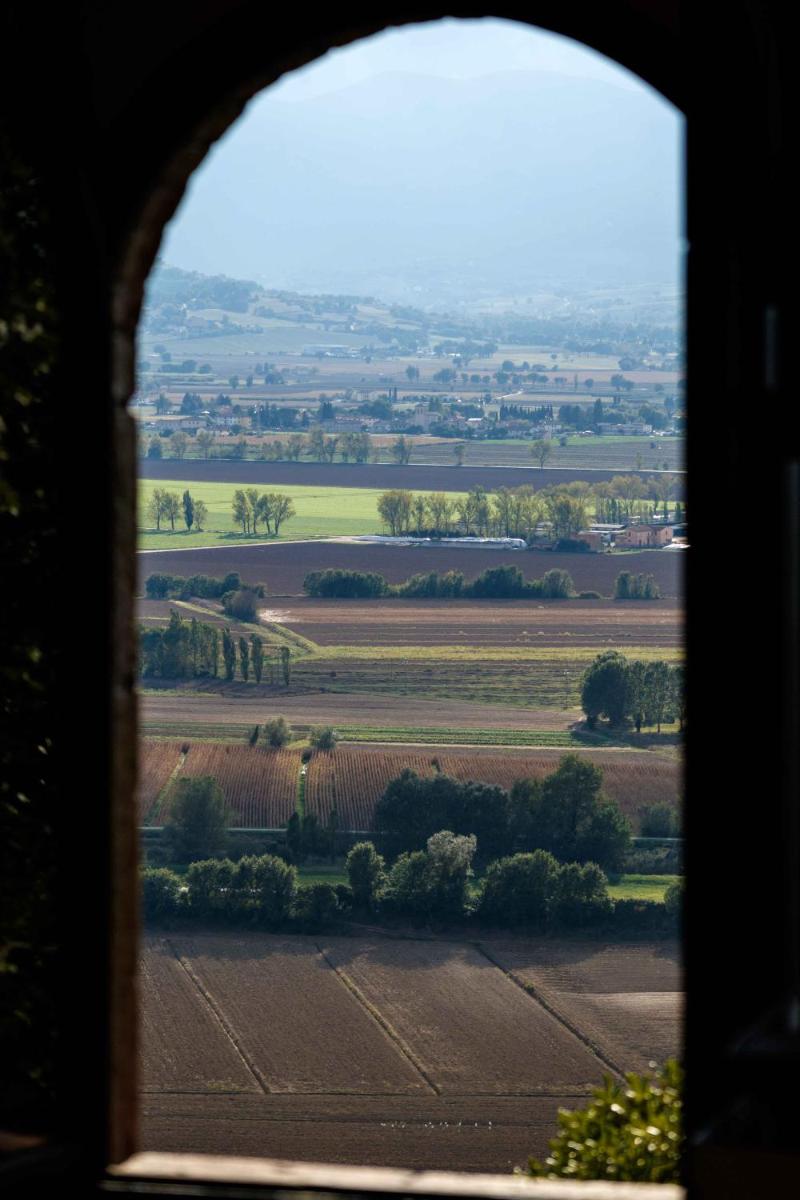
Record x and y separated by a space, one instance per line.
645 536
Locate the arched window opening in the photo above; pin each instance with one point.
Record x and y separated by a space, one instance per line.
410 414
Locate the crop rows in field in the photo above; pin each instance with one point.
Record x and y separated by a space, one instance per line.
353 778
544 683
157 761
260 785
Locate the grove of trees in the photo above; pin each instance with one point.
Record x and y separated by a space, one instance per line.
619 689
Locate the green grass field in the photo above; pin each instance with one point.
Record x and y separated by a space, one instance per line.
321 512
629 887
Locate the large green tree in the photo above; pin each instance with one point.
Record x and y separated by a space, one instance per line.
198 819
604 689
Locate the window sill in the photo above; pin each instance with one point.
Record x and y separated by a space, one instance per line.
268 1173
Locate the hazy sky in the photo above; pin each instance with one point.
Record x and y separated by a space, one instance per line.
446 161
452 49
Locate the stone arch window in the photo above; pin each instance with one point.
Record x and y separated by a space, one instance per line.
140 126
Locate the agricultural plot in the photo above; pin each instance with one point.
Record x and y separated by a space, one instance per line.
176 1020
353 778
429 474
551 680
483 623
472 1133
282 566
282 1000
260 785
469 1026
627 1001
157 762
233 713
410 1053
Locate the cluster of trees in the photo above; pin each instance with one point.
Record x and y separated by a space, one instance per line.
272 508
516 512
195 649
644 693
495 583
635 587
566 814
167 506
533 890
208 587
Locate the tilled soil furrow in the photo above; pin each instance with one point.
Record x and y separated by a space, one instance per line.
220 1017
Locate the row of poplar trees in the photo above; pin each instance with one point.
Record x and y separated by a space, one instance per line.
191 649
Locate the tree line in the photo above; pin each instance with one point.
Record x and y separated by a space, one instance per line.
495 583
645 693
516 512
196 649
207 587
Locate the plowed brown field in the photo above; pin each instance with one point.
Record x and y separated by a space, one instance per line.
471 1027
627 1002
282 566
299 1027
413 1053
176 1021
483 622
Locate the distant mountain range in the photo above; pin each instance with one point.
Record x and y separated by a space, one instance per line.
441 191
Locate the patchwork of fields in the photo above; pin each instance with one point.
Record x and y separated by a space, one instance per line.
445 1054
261 785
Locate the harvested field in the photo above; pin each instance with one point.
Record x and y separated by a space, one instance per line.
300 1029
432 478
471 1028
409 1053
282 566
482 623
240 707
354 777
157 761
473 1133
260 785
626 1001
176 1020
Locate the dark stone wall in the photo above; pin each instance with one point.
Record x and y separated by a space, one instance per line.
111 106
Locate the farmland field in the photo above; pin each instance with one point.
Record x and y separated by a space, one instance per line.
261 785
446 1054
233 712
320 512
481 623
353 778
282 566
427 477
